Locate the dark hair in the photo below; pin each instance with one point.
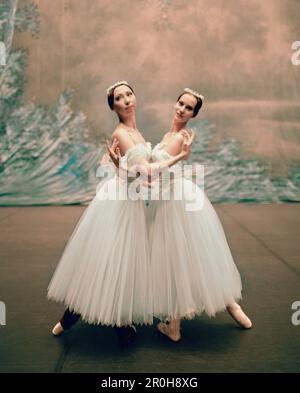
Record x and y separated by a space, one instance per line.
197 106
110 96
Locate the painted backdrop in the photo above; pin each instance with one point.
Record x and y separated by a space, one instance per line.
61 55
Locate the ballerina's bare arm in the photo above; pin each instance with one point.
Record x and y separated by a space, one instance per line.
183 149
174 143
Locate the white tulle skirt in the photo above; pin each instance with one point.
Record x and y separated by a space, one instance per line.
192 269
126 263
104 272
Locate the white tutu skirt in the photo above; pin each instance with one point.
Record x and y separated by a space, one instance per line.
191 264
104 272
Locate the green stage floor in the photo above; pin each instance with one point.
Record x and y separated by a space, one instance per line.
265 243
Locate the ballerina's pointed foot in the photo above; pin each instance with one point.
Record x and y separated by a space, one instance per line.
239 316
58 329
165 330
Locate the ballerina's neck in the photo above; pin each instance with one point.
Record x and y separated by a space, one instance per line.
130 130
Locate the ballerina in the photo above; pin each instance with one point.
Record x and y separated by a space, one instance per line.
191 264
104 273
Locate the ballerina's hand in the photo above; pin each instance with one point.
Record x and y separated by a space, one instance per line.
114 151
189 137
187 144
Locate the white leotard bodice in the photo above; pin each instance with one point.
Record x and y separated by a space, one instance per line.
160 154
139 149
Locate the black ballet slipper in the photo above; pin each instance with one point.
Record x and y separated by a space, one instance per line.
126 334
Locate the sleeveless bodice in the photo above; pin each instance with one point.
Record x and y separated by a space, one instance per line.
139 149
160 154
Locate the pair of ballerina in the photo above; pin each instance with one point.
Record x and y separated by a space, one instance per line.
177 143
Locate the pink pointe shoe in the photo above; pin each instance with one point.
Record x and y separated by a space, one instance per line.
58 329
239 316
164 329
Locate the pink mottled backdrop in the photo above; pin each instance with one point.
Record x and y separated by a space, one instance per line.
235 52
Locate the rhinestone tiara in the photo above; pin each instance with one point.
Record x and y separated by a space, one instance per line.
194 93
109 90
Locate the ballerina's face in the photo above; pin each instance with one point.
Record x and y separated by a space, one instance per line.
124 101
184 108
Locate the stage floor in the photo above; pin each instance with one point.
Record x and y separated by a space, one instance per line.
264 240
